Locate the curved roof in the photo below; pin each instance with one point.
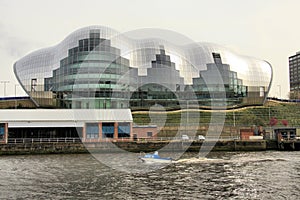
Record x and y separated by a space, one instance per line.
190 58
193 56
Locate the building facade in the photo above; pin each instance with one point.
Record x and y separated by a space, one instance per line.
294 70
146 131
97 67
88 125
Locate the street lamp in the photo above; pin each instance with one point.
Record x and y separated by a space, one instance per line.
4 87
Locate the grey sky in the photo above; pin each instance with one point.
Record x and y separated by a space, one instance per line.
266 29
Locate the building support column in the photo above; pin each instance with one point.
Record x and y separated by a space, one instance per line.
131 130
100 131
116 130
5 133
84 133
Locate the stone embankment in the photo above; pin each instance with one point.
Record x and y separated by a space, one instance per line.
136 146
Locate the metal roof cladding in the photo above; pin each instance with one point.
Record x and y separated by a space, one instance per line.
50 115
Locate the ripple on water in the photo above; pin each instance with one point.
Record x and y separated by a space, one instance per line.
239 175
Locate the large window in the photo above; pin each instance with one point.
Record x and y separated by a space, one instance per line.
149 134
45 132
108 130
2 131
92 130
124 130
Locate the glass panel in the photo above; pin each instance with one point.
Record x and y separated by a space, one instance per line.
2 131
92 130
108 130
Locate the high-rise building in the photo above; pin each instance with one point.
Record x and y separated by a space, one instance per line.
294 69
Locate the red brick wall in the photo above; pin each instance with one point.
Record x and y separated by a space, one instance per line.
246 133
141 132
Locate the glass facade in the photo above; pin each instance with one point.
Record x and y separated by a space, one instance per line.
97 67
92 130
294 71
2 131
108 130
123 130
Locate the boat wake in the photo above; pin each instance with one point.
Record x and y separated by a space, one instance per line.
197 160
156 159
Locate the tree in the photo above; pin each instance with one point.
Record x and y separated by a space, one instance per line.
251 119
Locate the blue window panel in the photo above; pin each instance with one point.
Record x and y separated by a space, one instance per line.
124 129
107 129
92 129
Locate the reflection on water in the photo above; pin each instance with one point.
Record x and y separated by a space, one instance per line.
242 175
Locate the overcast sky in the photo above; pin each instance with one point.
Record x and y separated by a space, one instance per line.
266 29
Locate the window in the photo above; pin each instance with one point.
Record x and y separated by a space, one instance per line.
149 134
124 130
92 130
2 131
108 130
261 91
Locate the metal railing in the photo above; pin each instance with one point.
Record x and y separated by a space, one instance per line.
42 140
150 139
222 138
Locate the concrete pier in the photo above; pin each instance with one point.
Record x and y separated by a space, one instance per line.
138 146
41 148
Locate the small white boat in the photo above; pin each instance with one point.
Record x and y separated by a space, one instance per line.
155 158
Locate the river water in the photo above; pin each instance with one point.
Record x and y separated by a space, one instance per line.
229 175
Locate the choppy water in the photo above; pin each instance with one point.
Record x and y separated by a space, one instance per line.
248 175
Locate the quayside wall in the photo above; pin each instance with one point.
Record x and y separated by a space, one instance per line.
135 146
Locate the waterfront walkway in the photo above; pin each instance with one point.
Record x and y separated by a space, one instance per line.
74 145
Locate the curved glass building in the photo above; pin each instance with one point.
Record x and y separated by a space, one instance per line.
97 67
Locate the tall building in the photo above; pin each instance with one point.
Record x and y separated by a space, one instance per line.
97 67
294 69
